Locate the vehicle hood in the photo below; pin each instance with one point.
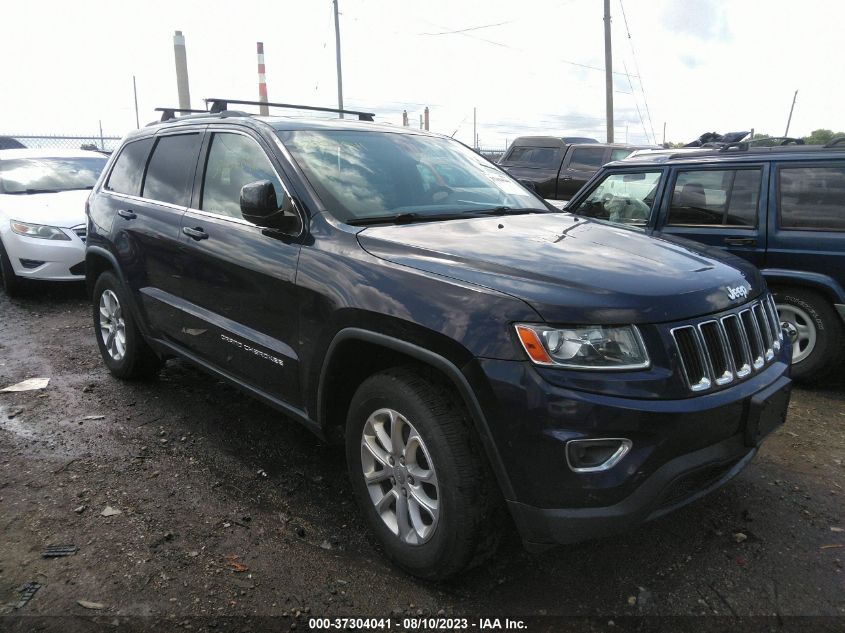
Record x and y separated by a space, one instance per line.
64 209
572 270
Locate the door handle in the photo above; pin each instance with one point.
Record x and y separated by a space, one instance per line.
741 241
195 233
127 214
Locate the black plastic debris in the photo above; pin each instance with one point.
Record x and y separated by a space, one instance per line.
55 551
27 591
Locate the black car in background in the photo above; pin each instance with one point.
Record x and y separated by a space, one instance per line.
782 208
557 167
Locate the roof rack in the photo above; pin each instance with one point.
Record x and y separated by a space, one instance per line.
168 114
839 140
221 105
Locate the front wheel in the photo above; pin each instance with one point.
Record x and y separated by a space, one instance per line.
10 281
418 474
814 328
121 344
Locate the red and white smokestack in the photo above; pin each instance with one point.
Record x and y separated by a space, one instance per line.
262 81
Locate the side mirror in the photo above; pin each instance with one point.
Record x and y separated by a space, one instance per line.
260 206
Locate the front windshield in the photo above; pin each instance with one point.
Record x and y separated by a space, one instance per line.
621 198
361 175
37 175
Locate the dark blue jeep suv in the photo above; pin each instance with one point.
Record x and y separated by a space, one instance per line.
477 352
781 208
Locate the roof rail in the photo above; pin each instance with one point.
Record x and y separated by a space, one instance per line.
221 105
168 114
741 146
839 140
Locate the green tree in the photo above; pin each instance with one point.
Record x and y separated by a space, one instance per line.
821 136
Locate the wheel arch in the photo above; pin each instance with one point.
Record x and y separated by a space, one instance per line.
824 284
381 351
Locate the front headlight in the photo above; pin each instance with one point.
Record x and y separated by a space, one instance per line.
38 230
584 346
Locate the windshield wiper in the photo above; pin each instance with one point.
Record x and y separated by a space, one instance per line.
509 211
32 191
408 218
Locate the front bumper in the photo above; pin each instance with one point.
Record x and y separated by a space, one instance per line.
682 449
56 260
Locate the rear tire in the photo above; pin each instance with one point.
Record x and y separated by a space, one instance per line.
11 282
815 329
122 346
432 460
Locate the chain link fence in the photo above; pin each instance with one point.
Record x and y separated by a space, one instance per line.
60 141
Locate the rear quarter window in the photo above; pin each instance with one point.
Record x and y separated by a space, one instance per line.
128 170
812 198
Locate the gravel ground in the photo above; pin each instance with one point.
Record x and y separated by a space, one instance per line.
227 509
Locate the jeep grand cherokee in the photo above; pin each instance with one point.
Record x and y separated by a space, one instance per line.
476 351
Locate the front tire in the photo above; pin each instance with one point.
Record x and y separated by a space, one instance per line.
123 348
418 474
815 330
11 282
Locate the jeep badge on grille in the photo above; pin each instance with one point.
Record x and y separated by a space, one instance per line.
737 292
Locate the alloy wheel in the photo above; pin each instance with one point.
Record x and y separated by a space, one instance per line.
112 325
400 476
800 327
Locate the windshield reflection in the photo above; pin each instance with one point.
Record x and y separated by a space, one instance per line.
363 174
22 175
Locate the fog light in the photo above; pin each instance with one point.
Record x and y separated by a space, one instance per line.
31 263
596 455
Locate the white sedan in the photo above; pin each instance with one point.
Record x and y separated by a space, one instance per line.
42 213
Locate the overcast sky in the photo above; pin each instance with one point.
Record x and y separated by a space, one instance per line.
698 65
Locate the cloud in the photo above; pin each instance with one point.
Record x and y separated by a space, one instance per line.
704 19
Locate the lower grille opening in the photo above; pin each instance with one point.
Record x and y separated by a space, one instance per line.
78 269
31 263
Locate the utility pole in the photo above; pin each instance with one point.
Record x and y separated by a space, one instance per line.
608 71
789 120
664 132
474 131
135 90
337 49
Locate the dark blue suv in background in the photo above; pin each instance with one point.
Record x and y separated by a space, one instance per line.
476 351
780 208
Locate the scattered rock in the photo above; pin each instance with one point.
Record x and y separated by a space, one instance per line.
739 537
79 509
836 529
31 384
325 545
632 600
91 605
108 511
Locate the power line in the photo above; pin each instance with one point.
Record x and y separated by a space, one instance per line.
637 68
636 103
472 28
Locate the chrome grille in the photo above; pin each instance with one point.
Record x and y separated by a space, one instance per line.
81 231
720 350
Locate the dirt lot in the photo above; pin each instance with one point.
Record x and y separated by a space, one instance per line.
228 509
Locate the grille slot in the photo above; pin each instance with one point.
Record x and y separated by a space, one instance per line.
692 357
717 352
731 347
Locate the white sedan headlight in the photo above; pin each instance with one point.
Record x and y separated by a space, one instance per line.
39 230
584 346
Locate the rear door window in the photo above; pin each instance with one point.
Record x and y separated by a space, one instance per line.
812 198
128 170
171 169
535 156
619 154
712 197
587 158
